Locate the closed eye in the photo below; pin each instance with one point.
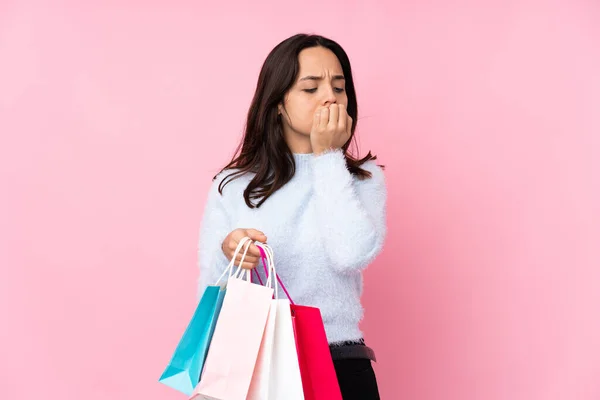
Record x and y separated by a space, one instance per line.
338 90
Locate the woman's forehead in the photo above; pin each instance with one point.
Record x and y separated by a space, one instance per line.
318 61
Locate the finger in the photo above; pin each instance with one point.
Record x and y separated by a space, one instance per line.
349 126
249 257
334 112
324 118
238 235
316 119
254 251
247 265
232 244
253 261
343 118
256 235
246 255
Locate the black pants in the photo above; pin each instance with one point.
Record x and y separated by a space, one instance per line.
357 379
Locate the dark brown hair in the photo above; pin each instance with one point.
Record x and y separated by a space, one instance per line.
263 150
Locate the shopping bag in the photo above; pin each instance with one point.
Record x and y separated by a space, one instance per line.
318 376
286 379
236 341
183 371
261 376
319 379
277 372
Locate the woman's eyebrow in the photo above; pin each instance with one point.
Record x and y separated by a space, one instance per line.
318 78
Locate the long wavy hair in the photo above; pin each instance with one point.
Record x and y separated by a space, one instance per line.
263 150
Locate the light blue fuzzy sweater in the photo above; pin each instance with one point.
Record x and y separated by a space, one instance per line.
325 226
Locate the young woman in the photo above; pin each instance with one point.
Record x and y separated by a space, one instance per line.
294 182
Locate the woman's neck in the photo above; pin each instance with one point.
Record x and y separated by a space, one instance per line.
298 143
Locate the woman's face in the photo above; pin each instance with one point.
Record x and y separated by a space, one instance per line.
320 82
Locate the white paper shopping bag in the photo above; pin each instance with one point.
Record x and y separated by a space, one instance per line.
259 387
237 338
277 373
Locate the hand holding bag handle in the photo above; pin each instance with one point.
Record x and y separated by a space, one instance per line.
245 240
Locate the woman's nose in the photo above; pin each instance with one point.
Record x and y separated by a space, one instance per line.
330 97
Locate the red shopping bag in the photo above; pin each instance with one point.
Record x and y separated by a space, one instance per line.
319 379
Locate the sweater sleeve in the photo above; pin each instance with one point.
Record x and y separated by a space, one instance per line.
352 212
213 230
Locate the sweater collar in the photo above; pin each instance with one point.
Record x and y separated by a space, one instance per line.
303 162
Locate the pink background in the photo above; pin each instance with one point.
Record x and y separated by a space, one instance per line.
114 117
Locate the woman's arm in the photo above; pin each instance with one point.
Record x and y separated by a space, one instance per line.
215 226
218 242
352 213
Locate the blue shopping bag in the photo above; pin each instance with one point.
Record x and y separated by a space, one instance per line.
183 371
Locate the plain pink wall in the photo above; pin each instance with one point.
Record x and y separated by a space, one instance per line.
114 118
